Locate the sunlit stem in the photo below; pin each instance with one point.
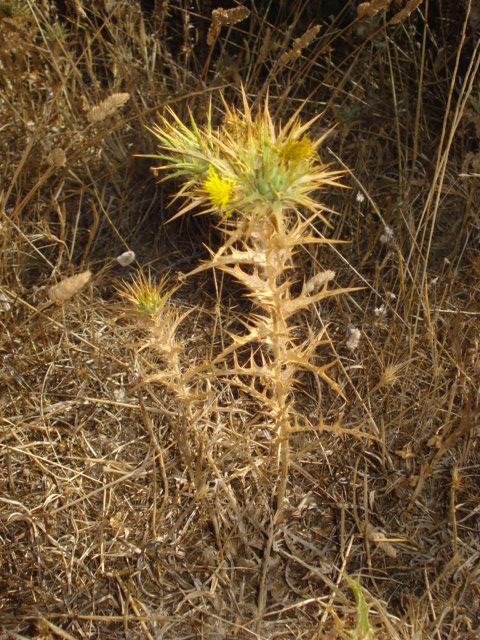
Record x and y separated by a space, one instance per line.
270 239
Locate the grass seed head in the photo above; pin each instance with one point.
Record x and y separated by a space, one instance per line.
68 287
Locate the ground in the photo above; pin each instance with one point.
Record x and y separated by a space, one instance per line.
138 499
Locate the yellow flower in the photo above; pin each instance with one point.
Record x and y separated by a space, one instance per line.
296 151
219 189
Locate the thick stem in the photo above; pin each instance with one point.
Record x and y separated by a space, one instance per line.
272 242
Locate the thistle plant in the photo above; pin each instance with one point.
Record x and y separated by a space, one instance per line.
259 181
147 296
181 381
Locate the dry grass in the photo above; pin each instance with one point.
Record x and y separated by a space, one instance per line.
136 493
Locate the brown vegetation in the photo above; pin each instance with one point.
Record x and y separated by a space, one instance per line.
140 477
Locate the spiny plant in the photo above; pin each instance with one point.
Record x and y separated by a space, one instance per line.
148 297
183 383
363 630
259 180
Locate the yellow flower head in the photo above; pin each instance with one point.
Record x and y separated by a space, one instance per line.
297 151
219 189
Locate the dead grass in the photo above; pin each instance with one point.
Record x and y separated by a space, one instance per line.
134 503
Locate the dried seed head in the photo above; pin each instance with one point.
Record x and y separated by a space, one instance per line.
77 5
5 302
299 44
57 158
224 18
387 236
126 258
389 375
107 107
68 287
307 38
354 339
313 284
370 9
406 11
265 48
